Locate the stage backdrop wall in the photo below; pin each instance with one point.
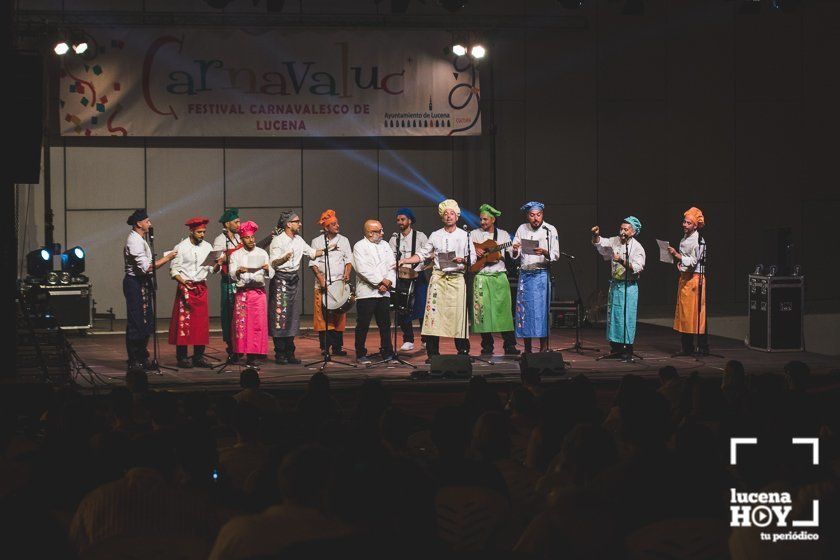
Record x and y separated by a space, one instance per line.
687 104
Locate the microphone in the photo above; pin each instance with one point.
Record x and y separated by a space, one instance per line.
393 235
465 227
151 232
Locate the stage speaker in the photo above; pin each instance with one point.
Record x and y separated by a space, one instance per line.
452 366
547 363
776 304
26 120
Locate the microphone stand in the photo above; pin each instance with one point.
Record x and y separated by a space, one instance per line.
550 287
577 346
325 311
399 310
229 307
154 364
701 265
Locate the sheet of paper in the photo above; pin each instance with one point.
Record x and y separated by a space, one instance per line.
167 253
445 260
664 255
528 246
255 262
212 257
606 252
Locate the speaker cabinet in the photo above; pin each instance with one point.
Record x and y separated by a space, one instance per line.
453 366
547 363
775 312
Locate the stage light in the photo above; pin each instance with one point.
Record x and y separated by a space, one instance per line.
749 7
633 8
73 260
80 47
61 48
39 262
571 4
459 50
786 6
478 52
452 5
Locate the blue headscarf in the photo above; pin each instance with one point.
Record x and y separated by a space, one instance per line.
407 213
634 221
528 206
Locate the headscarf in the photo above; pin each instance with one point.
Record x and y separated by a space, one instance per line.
635 223
229 215
328 218
248 228
695 215
407 213
528 206
449 204
489 210
137 216
284 218
197 222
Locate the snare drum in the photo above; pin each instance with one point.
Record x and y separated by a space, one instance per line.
402 296
339 297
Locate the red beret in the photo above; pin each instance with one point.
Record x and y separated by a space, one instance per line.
197 222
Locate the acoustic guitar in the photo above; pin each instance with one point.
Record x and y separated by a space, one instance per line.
493 253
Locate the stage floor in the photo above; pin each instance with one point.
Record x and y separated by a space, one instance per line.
104 354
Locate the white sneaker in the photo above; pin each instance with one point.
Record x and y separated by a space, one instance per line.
407 347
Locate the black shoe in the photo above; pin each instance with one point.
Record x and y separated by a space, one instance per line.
185 363
233 358
512 352
388 357
290 359
339 352
280 360
463 352
486 352
201 362
134 366
428 361
364 361
682 353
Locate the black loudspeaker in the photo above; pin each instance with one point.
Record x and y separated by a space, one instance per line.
27 118
453 366
776 305
547 363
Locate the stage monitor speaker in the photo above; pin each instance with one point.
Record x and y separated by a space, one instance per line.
451 366
26 119
547 363
776 304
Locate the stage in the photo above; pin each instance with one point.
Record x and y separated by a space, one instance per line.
104 356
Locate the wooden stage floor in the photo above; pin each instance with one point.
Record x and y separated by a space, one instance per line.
104 355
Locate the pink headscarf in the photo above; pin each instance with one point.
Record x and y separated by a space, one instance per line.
248 228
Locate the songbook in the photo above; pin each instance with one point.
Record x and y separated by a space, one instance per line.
664 255
255 262
212 257
528 246
446 260
606 252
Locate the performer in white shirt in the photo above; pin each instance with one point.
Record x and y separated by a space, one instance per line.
249 268
409 278
286 251
227 241
375 268
627 264
690 261
330 333
491 306
190 322
534 293
137 289
446 301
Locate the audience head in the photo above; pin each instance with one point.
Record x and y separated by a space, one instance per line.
246 422
797 375
249 378
304 475
450 431
667 373
587 450
734 376
491 436
137 381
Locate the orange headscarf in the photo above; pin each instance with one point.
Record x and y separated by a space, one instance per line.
695 215
328 218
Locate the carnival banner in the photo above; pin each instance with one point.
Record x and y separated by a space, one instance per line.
230 82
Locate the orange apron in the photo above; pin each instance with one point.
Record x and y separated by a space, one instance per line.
338 321
685 315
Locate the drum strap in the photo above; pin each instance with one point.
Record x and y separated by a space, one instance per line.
495 233
413 241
